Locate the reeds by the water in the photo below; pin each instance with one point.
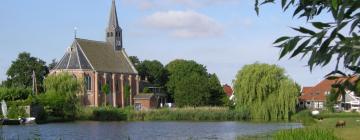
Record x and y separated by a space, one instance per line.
188 114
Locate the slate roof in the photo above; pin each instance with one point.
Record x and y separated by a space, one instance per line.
96 55
74 59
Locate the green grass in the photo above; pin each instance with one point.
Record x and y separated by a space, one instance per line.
350 132
310 133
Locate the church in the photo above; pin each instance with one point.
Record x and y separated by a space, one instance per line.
102 63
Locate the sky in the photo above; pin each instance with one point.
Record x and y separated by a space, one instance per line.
223 35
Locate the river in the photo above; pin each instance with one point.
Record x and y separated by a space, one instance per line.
90 130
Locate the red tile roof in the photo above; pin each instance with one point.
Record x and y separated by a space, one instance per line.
317 93
228 90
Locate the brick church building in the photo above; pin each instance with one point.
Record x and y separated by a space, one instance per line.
102 62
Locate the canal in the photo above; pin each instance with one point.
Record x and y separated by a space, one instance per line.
90 130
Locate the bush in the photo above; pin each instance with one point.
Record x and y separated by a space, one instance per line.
12 94
60 100
15 112
311 133
303 117
108 114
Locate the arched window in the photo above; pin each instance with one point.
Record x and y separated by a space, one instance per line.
111 34
108 34
87 82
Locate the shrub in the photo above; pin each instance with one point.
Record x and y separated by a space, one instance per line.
15 112
60 100
108 114
303 117
11 94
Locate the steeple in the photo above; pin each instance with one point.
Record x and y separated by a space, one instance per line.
113 31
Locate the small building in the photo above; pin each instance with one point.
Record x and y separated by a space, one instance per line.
352 102
229 91
100 63
155 99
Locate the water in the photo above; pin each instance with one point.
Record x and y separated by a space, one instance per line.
89 130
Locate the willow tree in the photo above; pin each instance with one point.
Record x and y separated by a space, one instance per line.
264 92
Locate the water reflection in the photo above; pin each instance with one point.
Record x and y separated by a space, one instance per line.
141 130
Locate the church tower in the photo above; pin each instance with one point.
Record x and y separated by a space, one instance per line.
113 31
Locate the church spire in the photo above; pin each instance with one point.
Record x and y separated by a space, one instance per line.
113 31
113 21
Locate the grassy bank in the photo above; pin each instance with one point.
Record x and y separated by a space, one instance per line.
166 114
323 126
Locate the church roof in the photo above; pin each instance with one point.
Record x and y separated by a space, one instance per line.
96 55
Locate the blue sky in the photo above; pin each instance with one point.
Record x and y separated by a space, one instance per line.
224 35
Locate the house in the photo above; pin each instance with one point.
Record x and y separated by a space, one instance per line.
228 90
155 99
315 97
352 102
102 62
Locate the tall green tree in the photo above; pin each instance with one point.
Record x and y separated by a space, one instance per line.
135 60
328 40
217 93
179 69
154 71
264 92
192 90
331 99
105 89
21 70
53 64
61 95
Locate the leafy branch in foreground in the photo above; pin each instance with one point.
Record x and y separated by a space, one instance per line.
338 39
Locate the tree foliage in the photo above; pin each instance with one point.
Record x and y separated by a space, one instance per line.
191 85
217 93
105 89
154 71
331 99
265 92
13 93
178 69
53 64
21 70
192 90
338 38
60 97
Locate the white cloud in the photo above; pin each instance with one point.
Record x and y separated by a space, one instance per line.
169 4
185 24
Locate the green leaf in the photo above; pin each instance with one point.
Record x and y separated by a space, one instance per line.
305 31
334 4
320 25
300 48
353 25
341 37
281 39
283 2
284 50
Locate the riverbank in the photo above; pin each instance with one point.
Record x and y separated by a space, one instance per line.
321 127
165 114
